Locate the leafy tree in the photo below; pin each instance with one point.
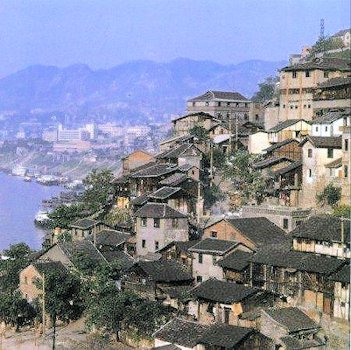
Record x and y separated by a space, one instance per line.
98 187
266 90
343 210
212 194
117 216
16 311
64 215
64 237
219 159
148 316
249 182
200 133
331 195
85 264
18 258
326 44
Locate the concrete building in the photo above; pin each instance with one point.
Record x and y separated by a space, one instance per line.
331 123
344 35
134 160
289 129
157 225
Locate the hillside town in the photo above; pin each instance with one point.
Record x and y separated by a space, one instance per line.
233 234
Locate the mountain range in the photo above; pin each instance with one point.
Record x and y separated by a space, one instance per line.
135 91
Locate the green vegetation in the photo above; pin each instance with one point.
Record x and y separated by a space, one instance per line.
266 90
331 195
200 133
326 44
342 210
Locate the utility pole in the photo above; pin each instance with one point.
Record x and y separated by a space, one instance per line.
230 135
43 305
211 163
236 131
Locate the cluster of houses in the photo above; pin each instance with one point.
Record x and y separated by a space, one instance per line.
267 279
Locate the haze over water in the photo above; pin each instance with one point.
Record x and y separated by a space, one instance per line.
19 203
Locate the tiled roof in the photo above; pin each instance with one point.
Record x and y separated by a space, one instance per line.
84 223
219 95
222 291
237 260
177 151
124 260
285 124
293 342
280 255
174 179
177 139
141 200
280 144
325 228
181 332
165 271
201 114
84 247
213 246
342 275
186 167
181 245
289 168
337 163
155 170
259 230
339 81
110 237
224 336
292 319
164 192
265 163
341 32
167 347
47 267
325 63
158 210
330 117
324 142
177 291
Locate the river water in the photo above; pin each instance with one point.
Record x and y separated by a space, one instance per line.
19 203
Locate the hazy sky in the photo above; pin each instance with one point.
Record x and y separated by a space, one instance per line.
103 33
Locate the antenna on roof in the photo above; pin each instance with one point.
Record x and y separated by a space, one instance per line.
321 32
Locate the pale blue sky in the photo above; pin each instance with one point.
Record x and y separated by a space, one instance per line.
103 33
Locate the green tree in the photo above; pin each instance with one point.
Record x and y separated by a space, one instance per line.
98 188
343 210
326 44
16 311
64 215
200 133
18 258
331 195
266 90
250 183
117 216
212 194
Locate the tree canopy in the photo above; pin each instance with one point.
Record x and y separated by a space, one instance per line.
266 90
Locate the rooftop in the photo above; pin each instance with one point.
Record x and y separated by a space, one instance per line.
158 210
174 179
182 332
164 192
285 124
290 167
330 117
342 275
325 63
237 260
181 245
179 150
325 228
47 267
222 291
213 246
292 319
324 142
84 223
337 163
219 95
110 237
280 144
122 259
154 170
165 270
265 163
333 82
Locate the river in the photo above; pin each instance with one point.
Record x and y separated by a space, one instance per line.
19 202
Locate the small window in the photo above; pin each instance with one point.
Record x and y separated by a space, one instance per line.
207 104
326 74
214 259
25 280
298 222
330 153
326 128
309 151
214 234
346 145
346 171
294 74
309 172
194 104
198 279
143 222
175 222
285 223
156 245
283 106
296 107
257 117
316 128
219 104
200 258
143 243
307 73
156 222
304 106
309 106
228 103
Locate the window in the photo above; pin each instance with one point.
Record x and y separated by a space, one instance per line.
309 106
25 280
304 106
257 116
228 103
143 243
143 222
156 245
198 279
330 153
219 104
298 222
294 74
214 259
295 107
346 171
156 222
214 234
309 151
326 74
207 104
316 128
175 222
194 104
285 223
283 106
200 258
346 145
307 73
326 128
309 172
246 117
